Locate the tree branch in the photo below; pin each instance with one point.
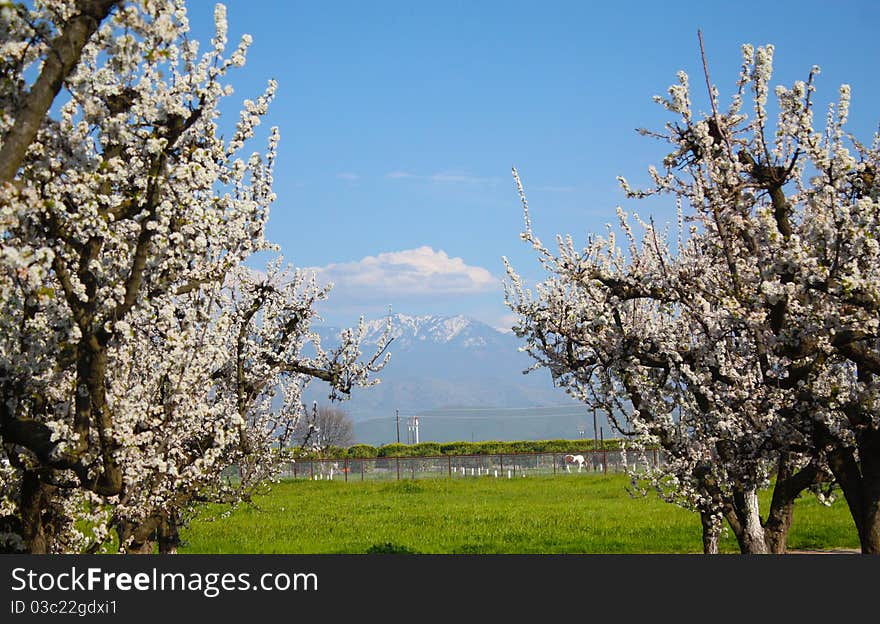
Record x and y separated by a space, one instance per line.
64 53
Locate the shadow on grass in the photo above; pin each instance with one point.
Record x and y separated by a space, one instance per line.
390 549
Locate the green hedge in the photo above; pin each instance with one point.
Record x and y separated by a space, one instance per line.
362 451
425 449
491 447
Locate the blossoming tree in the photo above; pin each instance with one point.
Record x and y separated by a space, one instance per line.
217 386
138 357
745 347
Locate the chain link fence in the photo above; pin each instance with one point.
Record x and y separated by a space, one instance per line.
506 466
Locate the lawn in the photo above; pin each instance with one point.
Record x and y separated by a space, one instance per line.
553 514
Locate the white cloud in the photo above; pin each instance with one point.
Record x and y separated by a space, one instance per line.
448 177
454 177
506 322
411 273
349 177
400 175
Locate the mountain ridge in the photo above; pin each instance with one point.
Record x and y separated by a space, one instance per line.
441 362
433 327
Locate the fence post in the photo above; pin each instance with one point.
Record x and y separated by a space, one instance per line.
604 450
449 465
501 459
655 457
398 468
345 469
363 461
294 470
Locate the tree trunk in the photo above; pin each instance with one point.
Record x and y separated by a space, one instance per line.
137 539
162 531
168 535
859 479
788 487
92 411
781 509
751 534
146 547
777 526
869 456
710 534
871 539
35 499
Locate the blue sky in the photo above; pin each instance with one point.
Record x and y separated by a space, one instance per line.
400 122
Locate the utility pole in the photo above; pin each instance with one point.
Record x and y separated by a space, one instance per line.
398 425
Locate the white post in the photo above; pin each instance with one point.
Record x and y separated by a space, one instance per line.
508 474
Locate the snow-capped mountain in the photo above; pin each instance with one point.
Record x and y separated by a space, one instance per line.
411 330
445 361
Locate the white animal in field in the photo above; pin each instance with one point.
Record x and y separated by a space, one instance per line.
574 459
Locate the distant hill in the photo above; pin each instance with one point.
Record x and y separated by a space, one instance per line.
445 362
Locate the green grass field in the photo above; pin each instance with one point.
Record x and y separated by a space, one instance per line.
561 514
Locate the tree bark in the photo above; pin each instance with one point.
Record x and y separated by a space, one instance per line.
750 531
859 479
710 534
788 487
91 410
776 528
161 530
137 539
869 455
168 535
146 547
753 536
34 502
